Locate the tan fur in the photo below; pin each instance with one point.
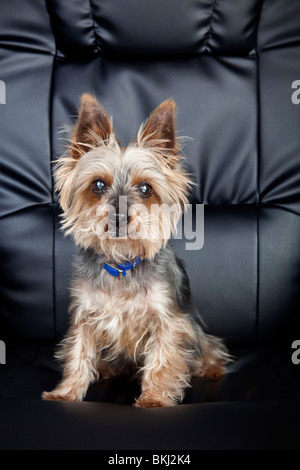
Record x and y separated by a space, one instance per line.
116 322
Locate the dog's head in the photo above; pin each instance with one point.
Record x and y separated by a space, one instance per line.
122 202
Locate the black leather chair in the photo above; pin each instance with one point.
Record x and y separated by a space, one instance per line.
232 67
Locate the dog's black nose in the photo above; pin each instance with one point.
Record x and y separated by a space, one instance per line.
118 218
118 223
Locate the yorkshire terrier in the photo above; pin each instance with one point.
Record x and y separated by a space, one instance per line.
130 295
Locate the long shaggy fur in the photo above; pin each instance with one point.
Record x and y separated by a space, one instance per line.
146 319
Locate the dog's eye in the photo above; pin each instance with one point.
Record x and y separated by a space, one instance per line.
98 186
145 189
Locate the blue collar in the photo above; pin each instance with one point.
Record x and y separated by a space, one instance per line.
121 269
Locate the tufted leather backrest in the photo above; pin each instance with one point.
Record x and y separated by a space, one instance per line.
170 28
230 66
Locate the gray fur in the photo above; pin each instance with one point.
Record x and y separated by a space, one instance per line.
165 266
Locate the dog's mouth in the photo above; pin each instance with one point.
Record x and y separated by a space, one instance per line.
135 222
116 227
122 226
116 232
117 224
122 231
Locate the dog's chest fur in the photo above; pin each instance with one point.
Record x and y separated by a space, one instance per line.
121 313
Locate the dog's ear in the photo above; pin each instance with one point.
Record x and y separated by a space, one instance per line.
93 126
160 129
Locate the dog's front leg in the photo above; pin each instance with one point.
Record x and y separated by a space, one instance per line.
165 370
78 355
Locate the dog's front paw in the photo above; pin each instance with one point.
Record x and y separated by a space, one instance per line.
149 400
58 396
